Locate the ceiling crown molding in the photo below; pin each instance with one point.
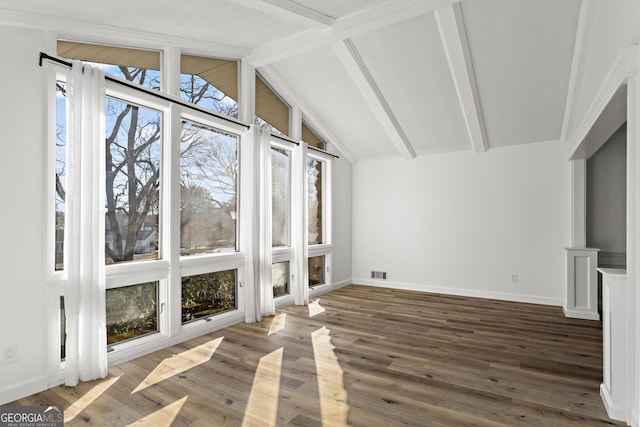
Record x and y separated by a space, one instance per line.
108 34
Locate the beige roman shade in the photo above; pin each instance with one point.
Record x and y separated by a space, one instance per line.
147 59
221 73
310 137
270 108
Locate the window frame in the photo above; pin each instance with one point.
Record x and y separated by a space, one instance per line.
326 248
286 253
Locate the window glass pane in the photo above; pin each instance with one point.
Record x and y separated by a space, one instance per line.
63 330
61 170
136 65
316 270
208 181
272 112
280 196
211 83
314 199
208 294
132 311
280 278
132 182
311 138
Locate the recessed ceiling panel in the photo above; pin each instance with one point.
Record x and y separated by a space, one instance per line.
408 64
320 81
521 52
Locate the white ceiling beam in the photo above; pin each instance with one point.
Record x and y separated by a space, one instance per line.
360 74
280 85
456 48
382 15
291 11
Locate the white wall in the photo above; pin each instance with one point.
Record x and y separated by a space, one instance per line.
464 223
607 196
23 198
342 196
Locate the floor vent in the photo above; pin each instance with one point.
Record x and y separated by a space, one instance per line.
379 275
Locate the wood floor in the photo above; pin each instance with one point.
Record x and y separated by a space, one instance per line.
362 356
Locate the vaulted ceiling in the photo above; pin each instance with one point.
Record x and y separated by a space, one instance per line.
377 78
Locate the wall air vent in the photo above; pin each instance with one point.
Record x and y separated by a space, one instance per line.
382 275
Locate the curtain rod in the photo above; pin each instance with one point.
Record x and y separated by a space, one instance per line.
311 147
44 56
284 138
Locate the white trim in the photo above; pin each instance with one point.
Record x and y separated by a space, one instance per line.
25 388
291 11
109 34
578 46
473 293
367 20
130 273
624 66
616 412
580 314
189 331
357 69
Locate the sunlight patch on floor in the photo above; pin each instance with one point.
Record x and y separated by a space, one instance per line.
333 397
262 407
180 363
278 323
315 308
81 404
163 417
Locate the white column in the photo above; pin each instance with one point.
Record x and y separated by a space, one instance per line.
246 103
582 279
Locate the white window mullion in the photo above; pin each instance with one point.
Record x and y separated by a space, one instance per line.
299 225
170 290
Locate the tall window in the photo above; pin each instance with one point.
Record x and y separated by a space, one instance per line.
281 196
211 83
164 199
60 171
208 185
133 182
314 199
318 220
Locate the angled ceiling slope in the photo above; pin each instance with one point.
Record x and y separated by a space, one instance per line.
375 78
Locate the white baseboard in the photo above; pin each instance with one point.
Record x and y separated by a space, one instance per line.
614 412
578 314
24 389
474 293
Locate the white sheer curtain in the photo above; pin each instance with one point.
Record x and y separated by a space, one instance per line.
86 348
300 236
265 305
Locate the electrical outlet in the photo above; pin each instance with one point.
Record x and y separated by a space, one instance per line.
514 278
10 353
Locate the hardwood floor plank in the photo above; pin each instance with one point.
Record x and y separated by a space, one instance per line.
386 357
